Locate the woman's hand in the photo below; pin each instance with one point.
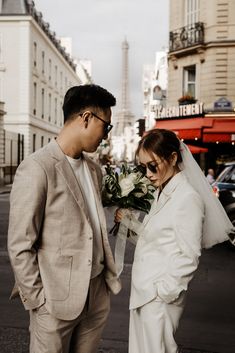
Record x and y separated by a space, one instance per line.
119 214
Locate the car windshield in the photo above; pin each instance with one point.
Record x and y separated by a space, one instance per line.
227 175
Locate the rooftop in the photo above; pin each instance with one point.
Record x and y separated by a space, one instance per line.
27 7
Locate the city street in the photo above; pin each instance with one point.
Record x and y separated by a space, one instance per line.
207 325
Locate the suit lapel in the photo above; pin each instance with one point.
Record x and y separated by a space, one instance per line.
164 196
160 202
157 205
67 173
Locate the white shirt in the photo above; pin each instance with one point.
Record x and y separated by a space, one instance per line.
85 181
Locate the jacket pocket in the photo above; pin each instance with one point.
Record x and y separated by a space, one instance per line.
55 272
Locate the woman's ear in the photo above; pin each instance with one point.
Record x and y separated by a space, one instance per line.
174 158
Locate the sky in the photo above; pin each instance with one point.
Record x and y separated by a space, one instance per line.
97 29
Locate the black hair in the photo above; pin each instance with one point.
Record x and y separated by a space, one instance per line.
161 142
80 97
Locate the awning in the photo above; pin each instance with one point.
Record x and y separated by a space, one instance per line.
222 130
197 149
187 129
210 128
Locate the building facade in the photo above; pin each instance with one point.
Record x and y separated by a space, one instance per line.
35 73
201 76
154 84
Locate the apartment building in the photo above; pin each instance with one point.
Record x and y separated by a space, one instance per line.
35 73
154 85
201 77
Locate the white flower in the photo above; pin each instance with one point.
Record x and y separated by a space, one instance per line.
133 177
145 181
144 189
126 185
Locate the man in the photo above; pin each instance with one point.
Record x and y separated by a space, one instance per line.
57 238
211 176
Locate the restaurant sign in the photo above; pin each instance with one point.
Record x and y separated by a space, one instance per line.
181 111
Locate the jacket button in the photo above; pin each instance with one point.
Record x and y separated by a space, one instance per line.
89 262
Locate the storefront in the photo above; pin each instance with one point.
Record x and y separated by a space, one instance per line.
211 137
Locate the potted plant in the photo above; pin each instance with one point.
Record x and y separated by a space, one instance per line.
187 98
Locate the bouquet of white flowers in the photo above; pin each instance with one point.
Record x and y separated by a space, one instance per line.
129 189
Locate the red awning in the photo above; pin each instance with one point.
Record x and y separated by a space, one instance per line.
222 130
187 129
197 149
210 128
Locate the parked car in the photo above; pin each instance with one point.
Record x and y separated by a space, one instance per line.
224 188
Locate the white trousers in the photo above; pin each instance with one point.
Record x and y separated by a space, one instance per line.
152 328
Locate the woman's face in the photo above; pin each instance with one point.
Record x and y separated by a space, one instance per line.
158 170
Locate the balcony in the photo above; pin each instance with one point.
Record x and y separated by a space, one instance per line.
186 37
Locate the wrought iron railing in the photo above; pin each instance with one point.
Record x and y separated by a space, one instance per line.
187 36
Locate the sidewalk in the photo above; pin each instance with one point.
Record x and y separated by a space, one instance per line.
5 189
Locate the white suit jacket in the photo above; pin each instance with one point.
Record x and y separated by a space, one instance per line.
169 244
50 237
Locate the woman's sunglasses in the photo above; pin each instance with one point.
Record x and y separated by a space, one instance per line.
152 166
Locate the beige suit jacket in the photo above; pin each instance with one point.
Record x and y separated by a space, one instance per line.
50 238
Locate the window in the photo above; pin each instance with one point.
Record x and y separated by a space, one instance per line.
34 142
35 54
49 69
1 47
49 106
189 80
43 62
56 73
43 102
192 11
55 110
61 114
42 141
61 81
34 98
227 175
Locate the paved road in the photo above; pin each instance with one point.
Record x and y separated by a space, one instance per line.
207 325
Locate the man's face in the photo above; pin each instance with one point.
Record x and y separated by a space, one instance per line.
97 128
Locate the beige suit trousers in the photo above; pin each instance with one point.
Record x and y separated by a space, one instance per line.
152 328
81 335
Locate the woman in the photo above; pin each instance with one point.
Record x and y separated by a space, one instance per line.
170 239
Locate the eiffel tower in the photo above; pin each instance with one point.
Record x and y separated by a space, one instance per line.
124 117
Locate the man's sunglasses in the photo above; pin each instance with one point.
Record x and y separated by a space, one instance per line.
152 166
107 126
